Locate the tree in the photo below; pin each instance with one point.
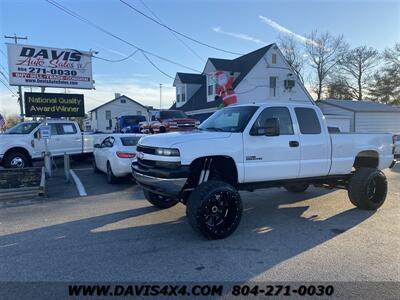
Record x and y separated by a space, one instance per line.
358 64
338 88
324 50
386 84
293 54
11 120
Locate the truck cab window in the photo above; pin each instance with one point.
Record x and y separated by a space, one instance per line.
66 128
53 128
281 113
308 120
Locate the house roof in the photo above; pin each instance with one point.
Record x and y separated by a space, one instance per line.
226 64
198 100
122 96
360 106
190 78
243 64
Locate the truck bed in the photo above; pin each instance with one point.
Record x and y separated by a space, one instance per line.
346 146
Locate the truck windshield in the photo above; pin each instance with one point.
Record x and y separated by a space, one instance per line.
172 114
230 119
22 128
132 120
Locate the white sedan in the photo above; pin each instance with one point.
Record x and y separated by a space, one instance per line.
114 155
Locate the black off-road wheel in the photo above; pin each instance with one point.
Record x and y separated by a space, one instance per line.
159 200
297 188
16 160
111 178
214 209
367 188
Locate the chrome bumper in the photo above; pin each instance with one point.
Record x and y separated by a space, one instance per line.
170 187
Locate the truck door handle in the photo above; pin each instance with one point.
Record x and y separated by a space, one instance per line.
294 143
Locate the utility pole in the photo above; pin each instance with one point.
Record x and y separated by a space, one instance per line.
20 100
160 94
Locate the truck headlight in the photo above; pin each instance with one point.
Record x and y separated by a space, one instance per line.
167 152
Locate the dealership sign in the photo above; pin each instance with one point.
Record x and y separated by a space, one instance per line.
54 105
49 67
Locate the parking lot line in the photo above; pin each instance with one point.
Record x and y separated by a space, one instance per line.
78 183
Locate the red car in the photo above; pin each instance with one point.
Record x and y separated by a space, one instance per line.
169 121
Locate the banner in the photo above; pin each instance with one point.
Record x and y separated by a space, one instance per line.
49 67
54 105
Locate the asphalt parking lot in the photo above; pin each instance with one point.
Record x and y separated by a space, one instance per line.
114 234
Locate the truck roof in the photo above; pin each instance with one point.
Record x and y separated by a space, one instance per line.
50 121
276 103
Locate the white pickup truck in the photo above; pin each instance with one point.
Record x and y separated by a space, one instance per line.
22 144
247 147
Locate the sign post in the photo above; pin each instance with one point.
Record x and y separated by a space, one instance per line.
21 105
41 66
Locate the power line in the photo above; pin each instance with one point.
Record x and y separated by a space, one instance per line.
173 33
88 22
161 71
1 80
117 60
3 68
4 76
177 32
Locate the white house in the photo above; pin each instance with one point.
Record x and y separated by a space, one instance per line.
361 116
259 76
104 117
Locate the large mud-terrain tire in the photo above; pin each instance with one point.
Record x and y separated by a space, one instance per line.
367 188
297 188
214 209
159 200
16 160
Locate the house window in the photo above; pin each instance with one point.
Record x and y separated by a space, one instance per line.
139 112
274 58
180 93
95 115
272 86
123 100
108 114
211 87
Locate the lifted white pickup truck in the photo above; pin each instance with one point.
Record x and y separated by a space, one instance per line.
247 147
22 144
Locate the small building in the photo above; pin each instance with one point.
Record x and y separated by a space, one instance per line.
361 116
104 117
258 76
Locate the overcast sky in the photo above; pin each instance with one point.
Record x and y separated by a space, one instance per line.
237 26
